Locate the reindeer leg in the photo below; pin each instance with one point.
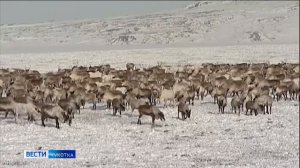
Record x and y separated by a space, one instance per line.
16 117
43 118
285 96
150 101
183 116
153 119
28 117
114 111
139 120
32 117
57 123
70 121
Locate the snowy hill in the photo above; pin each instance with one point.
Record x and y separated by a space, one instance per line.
201 23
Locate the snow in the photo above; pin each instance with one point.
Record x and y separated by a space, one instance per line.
206 139
213 32
211 23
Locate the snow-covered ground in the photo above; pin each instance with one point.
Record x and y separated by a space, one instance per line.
207 139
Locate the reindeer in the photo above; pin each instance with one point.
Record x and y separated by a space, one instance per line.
222 102
109 95
167 95
184 109
69 106
236 103
130 66
218 91
118 105
134 102
7 106
152 111
266 102
54 112
252 106
18 106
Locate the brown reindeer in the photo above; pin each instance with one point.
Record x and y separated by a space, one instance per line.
184 110
118 105
252 106
54 112
150 110
222 103
266 102
236 103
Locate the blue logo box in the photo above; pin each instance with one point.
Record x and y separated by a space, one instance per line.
50 154
61 154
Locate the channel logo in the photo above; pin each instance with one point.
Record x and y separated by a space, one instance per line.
35 154
50 154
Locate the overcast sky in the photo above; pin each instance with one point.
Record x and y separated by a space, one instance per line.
43 11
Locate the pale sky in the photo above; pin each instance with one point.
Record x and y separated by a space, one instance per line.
16 12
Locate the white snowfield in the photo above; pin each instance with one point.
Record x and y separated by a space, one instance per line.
213 32
208 23
207 139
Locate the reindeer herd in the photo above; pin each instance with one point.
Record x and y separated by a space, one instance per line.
60 95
